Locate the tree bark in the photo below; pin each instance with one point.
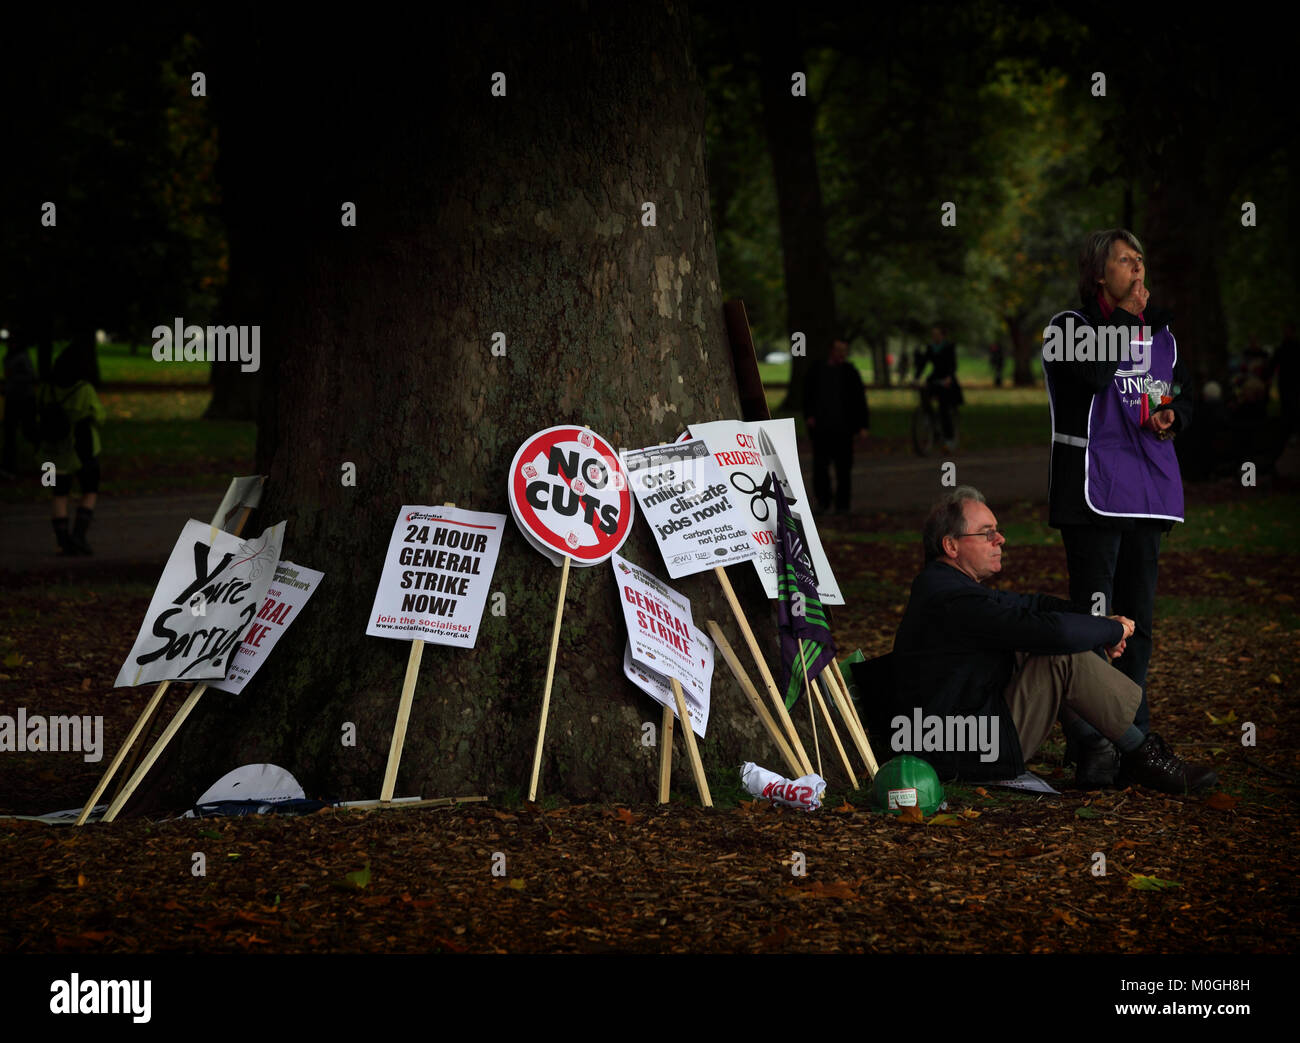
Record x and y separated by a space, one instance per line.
476 214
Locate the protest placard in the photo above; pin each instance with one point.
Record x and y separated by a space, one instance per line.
657 686
659 627
290 588
437 575
569 494
749 454
696 517
209 592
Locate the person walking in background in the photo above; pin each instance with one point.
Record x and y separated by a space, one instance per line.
996 361
835 411
68 416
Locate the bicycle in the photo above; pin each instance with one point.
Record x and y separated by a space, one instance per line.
927 428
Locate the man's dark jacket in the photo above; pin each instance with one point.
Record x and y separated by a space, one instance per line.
835 398
955 652
1075 384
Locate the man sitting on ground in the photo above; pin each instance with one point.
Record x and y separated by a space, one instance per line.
1024 660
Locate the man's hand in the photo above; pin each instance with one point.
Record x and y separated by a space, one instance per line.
1115 651
1128 625
1135 301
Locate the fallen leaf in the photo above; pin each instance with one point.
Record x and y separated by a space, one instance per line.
981 791
359 878
1274 679
944 820
517 883
1221 801
1087 813
81 880
624 816
1140 882
835 889
1229 718
911 814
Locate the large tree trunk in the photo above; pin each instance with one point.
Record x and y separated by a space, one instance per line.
788 123
476 214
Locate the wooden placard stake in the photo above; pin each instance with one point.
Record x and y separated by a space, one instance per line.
550 676
835 736
781 713
849 710
857 739
755 700
126 748
665 754
692 751
403 718
173 726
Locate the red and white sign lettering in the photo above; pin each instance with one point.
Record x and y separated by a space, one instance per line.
570 496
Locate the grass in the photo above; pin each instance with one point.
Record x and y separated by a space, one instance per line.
971 369
117 365
155 441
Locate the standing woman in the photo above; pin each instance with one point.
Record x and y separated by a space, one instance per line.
1114 478
69 413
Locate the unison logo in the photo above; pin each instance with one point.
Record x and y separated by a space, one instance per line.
1083 342
181 343
92 996
39 734
948 734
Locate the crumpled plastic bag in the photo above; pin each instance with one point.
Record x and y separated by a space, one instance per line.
803 793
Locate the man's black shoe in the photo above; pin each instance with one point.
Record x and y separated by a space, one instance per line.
1098 765
1154 764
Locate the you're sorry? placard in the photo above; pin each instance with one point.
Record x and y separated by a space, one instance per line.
209 592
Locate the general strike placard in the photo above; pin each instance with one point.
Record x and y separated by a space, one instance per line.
695 515
290 588
660 631
437 574
209 592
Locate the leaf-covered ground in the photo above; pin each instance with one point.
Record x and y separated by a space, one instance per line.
998 872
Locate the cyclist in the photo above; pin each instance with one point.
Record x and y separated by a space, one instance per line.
941 356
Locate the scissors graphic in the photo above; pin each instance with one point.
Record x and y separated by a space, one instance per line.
759 494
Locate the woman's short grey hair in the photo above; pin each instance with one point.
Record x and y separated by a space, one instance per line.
1093 257
947 518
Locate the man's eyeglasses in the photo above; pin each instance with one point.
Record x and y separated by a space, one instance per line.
988 534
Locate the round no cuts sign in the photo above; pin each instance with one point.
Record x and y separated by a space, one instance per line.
569 495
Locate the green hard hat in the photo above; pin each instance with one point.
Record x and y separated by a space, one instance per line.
906 781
